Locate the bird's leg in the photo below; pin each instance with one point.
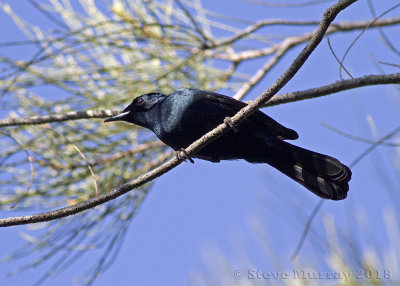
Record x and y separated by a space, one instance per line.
228 121
183 155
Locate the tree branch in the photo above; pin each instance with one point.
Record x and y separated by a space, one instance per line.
281 49
260 24
58 117
334 28
253 106
335 87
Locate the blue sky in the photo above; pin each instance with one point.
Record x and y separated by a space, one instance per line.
195 210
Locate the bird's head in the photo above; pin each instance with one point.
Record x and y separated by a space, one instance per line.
137 111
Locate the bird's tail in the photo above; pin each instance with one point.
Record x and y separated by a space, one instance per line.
323 175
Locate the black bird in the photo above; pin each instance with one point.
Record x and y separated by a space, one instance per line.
186 114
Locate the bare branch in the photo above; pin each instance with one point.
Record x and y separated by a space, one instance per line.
283 48
58 117
286 5
253 106
280 50
335 87
276 100
334 28
260 24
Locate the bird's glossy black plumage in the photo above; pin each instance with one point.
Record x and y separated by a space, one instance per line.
183 116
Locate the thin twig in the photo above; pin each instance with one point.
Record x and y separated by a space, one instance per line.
389 64
83 157
357 138
319 205
362 32
306 229
373 146
383 35
337 59
30 159
193 21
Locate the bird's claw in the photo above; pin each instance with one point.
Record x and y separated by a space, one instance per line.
183 155
228 121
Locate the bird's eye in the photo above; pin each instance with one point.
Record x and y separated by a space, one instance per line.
140 102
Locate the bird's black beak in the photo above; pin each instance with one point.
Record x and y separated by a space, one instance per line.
119 117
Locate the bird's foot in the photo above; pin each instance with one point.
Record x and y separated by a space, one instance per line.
183 155
228 121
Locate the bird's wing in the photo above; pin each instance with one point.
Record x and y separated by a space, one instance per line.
273 127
